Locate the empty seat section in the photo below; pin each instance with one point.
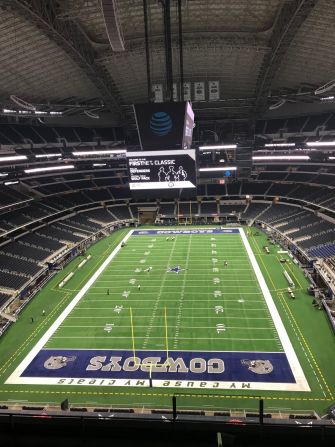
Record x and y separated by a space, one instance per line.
167 209
100 215
40 241
280 189
121 193
120 212
186 209
254 209
100 195
216 190
234 188
86 223
67 133
27 133
60 233
231 209
249 188
3 298
12 281
208 208
17 265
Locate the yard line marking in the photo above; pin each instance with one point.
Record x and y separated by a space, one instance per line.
181 299
146 339
164 326
48 334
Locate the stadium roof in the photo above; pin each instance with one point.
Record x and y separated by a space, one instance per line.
58 52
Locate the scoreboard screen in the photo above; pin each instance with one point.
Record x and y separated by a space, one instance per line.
164 126
173 169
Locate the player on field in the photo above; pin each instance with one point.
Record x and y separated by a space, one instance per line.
139 287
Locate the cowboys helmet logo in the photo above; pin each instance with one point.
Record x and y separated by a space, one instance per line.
258 366
58 361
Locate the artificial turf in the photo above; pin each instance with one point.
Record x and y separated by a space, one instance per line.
176 311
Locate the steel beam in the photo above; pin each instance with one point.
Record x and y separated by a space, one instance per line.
69 36
289 20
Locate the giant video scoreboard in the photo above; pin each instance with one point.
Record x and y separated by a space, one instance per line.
157 170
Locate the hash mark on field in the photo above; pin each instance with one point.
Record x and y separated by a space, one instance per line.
181 300
147 335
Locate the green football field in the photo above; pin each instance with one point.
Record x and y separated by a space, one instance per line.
205 316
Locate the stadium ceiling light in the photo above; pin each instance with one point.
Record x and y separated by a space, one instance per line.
99 165
325 88
327 98
226 168
220 146
48 155
48 169
12 182
321 143
3 174
281 157
279 144
106 152
13 158
329 158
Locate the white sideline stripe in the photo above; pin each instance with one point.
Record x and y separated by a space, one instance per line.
191 280
170 287
15 376
119 326
284 339
193 318
110 337
226 301
263 309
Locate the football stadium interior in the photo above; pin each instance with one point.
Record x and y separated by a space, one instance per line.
167 222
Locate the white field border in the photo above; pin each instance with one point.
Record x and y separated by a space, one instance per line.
300 385
15 376
301 382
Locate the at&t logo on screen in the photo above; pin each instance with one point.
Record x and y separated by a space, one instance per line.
160 123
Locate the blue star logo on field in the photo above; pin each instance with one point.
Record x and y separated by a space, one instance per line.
160 124
176 269
58 361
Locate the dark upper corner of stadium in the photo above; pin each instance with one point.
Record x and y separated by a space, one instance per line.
87 59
